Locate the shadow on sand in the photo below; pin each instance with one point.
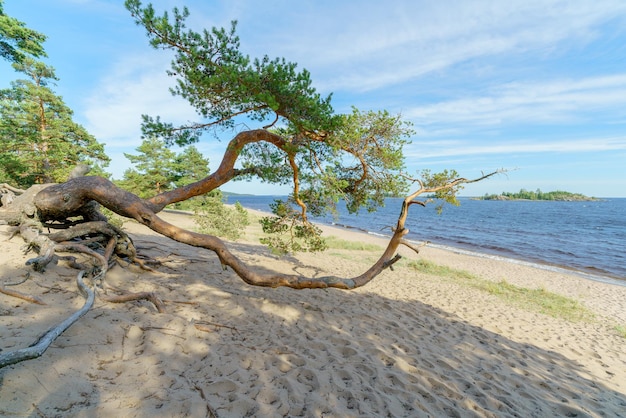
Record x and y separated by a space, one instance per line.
274 352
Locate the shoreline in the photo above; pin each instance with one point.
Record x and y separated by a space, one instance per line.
406 344
539 264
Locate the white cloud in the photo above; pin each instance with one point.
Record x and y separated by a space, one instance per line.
136 85
449 149
541 102
376 44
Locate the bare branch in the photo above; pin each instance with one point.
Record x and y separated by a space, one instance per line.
413 247
128 297
11 188
41 345
20 295
224 173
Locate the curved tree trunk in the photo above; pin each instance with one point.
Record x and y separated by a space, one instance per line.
77 197
74 197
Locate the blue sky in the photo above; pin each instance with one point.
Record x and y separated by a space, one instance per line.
536 87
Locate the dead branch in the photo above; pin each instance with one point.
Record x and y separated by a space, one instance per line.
41 345
11 188
414 247
182 302
215 324
20 295
202 328
210 412
16 283
129 297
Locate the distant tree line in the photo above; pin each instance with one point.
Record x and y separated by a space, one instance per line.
524 194
41 143
39 140
157 169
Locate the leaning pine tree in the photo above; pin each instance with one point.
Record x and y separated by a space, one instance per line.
300 141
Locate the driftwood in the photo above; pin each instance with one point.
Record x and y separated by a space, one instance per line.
41 345
127 297
20 295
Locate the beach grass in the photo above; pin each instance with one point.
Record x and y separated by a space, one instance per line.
337 243
536 300
621 330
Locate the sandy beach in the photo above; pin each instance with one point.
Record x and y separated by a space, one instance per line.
408 344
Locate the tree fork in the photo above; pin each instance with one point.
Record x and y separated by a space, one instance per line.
224 173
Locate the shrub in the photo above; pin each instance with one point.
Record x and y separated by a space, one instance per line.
215 218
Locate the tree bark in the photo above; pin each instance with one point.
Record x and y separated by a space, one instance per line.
70 199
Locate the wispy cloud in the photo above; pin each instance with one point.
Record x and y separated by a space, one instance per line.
387 43
542 102
136 85
451 148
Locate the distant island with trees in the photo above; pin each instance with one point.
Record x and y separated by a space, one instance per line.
524 194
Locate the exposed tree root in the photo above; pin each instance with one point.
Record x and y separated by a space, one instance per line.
41 345
98 240
8 193
73 262
18 282
6 188
20 295
129 297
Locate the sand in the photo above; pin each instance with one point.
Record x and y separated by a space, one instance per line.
407 344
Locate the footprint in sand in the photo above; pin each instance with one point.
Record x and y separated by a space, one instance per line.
344 379
309 379
222 387
134 340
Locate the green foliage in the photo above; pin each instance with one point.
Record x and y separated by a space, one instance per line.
429 267
537 300
357 156
337 243
215 218
621 330
361 162
152 171
17 41
158 169
289 232
113 218
444 194
189 166
524 194
374 142
40 141
326 157
221 82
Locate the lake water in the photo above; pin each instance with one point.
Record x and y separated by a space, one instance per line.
587 238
